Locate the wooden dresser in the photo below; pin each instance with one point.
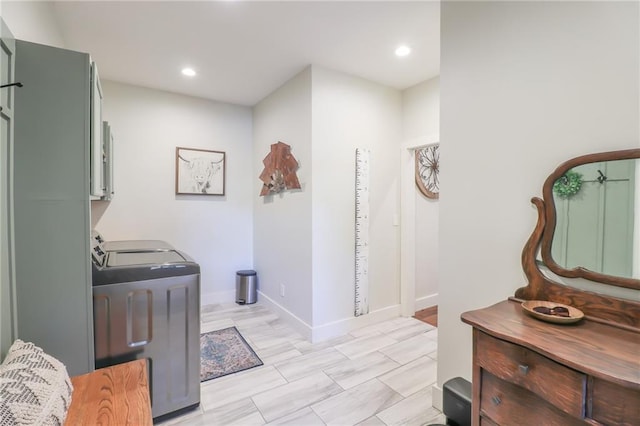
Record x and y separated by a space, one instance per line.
528 372
532 372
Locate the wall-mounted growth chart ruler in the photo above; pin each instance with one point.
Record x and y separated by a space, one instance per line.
362 233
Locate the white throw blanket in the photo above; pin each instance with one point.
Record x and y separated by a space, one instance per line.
35 388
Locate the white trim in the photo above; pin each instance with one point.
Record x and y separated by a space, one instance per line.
332 329
407 233
296 323
436 396
345 326
426 301
418 143
408 222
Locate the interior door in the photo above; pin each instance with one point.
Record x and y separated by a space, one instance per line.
595 227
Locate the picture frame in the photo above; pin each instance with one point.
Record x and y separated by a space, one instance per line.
200 171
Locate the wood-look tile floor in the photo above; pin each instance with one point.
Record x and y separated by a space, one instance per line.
377 375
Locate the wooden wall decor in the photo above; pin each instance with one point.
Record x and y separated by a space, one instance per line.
279 171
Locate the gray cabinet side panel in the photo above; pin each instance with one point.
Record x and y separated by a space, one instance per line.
52 210
7 323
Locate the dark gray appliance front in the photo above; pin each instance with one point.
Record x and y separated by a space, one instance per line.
147 305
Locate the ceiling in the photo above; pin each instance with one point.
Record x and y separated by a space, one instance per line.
243 50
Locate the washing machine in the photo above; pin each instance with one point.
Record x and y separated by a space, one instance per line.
146 304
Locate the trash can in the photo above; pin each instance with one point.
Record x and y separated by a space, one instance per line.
246 287
456 402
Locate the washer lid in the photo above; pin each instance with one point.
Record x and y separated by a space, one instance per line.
133 258
137 245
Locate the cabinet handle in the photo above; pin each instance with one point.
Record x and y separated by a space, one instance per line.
524 369
496 400
11 84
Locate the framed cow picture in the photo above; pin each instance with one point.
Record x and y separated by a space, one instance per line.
199 171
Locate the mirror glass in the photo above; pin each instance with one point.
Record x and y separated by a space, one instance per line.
598 218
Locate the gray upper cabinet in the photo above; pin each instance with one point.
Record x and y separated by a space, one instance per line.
53 122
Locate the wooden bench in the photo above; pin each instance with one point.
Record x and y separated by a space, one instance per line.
117 395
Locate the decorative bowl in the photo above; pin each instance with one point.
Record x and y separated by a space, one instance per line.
552 311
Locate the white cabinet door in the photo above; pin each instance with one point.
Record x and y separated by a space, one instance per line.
108 161
97 148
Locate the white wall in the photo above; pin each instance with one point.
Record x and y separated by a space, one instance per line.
216 231
421 110
33 21
524 86
421 122
305 239
282 222
350 113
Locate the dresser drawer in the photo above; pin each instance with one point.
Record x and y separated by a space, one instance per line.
510 405
561 386
615 405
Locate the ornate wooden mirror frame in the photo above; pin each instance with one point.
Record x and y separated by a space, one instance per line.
615 311
550 214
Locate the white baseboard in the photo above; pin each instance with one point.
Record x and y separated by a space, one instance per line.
332 329
344 326
436 396
217 297
299 325
426 301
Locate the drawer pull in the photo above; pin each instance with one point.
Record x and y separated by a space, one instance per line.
496 400
524 369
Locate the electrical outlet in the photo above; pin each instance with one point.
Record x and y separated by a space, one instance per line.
281 290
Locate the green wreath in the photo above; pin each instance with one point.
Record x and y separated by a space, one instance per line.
568 184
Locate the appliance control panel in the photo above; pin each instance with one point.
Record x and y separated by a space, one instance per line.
98 254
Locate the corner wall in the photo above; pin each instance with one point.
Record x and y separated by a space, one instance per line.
216 231
349 113
524 87
282 222
325 115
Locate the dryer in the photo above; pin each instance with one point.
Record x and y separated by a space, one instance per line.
146 304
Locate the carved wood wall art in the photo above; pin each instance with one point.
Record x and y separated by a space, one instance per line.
279 171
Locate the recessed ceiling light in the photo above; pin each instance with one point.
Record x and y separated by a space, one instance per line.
403 50
189 72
